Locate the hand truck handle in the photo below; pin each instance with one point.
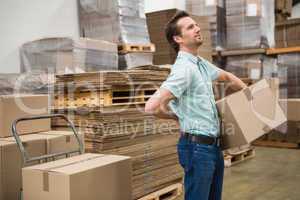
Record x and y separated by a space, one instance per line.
25 156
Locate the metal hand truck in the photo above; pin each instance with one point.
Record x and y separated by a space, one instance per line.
49 157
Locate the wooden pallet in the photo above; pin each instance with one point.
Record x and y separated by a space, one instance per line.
238 157
113 97
277 144
168 193
134 48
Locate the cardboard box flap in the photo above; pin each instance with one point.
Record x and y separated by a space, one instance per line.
4 142
31 137
263 100
244 117
78 163
83 165
57 132
60 163
265 103
260 107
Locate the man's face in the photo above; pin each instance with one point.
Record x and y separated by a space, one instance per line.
190 33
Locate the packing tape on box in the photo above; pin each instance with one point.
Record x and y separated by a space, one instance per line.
47 146
48 170
68 138
46 181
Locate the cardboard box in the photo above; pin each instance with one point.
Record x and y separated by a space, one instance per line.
287 33
250 24
46 55
11 164
164 53
291 108
250 113
13 107
36 145
287 132
95 55
87 176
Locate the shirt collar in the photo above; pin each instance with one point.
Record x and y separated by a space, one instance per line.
189 56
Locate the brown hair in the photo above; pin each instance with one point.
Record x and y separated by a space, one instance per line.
172 29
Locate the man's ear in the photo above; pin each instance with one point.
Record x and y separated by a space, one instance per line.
177 39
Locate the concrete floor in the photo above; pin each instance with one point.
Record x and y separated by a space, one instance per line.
273 174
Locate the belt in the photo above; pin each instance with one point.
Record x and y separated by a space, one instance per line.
201 139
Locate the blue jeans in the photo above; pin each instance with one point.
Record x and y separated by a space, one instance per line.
203 170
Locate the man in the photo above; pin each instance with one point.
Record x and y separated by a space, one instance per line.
188 91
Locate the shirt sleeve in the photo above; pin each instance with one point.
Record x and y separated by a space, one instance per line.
179 80
213 71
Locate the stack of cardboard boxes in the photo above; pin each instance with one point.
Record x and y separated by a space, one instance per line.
57 179
290 131
253 66
286 30
43 55
283 9
36 136
250 24
287 33
121 22
108 107
64 55
214 10
26 83
288 66
165 54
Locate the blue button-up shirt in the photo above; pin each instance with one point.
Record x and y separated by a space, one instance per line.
190 81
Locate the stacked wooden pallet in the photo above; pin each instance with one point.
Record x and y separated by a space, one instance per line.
238 155
135 55
130 48
169 193
108 108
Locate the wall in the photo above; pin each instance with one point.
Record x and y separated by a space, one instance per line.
26 20
155 5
